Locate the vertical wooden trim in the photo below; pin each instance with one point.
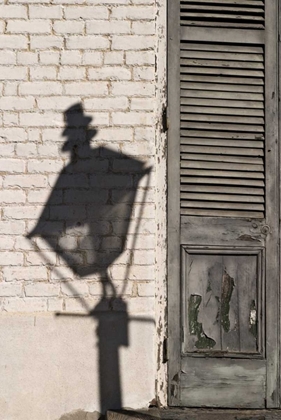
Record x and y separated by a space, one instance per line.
174 200
272 203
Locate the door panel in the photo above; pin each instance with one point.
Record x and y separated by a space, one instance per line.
223 204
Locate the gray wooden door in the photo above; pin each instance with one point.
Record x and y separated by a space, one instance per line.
223 211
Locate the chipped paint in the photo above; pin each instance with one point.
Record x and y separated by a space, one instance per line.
226 293
253 319
195 327
249 238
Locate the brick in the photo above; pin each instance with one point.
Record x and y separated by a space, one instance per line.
106 103
29 26
56 102
92 58
25 273
68 27
68 242
27 58
43 73
143 242
12 103
75 305
55 305
13 42
114 57
7 242
143 28
107 27
26 149
26 212
45 12
40 88
41 259
134 12
25 305
48 149
44 165
7 149
71 58
45 42
97 290
12 228
141 257
133 88
86 88
132 42
7 57
41 196
142 104
8 289
13 73
133 118
12 134
10 88
109 73
13 12
115 134
34 119
12 196
12 165
71 73
10 119
61 273
75 288
86 12
23 244
49 57
86 42
144 73
42 289
146 289
25 181
11 258
140 58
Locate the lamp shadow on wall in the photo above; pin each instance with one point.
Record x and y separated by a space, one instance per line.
86 221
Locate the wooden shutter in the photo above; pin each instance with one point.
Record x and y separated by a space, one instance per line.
222 109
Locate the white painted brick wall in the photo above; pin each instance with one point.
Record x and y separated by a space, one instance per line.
54 54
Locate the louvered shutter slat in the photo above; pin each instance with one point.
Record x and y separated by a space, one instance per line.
222 13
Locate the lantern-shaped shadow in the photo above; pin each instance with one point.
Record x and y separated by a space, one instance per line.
87 215
86 221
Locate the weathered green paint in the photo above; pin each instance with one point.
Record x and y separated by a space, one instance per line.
226 293
195 327
253 319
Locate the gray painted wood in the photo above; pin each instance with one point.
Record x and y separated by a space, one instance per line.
224 227
211 381
174 201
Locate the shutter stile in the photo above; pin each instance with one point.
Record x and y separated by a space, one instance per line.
222 126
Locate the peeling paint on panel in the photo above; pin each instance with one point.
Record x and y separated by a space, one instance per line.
195 327
253 319
226 293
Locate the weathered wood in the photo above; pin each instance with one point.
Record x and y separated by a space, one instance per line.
222 118
231 36
222 127
222 63
227 147
222 173
220 158
223 181
233 48
208 382
203 164
222 95
173 271
220 8
215 86
222 213
223 197
221 79
226 103
231 2
221 189
218 55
